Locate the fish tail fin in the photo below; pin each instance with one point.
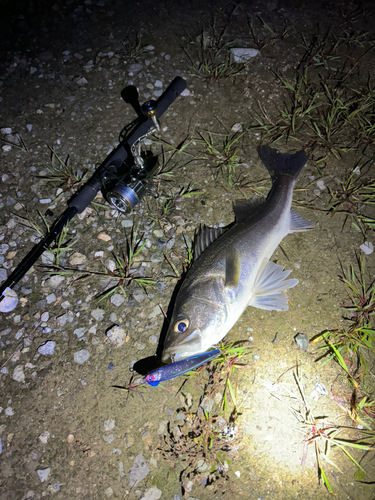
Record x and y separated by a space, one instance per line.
282 163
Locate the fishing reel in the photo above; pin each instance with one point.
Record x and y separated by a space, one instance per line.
124 184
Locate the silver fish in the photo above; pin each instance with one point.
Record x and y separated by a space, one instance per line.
235 271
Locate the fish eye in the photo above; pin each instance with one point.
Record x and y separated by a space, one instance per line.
150 378
181 326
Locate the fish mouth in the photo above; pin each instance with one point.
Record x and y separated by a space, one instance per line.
189 347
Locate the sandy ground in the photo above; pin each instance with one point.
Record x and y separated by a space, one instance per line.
66 431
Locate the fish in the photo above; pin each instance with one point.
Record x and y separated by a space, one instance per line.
178 368
232 268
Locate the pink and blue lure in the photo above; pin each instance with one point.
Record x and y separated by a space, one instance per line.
180 367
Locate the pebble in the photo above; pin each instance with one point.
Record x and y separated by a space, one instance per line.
117 299
48 348
6 130
9 411
79 332
139 470
320 184
152 493
110 438
302 341
126 223
9 301
45 316
367 247
43 474
45 201
116 336
134 68
64 318
44 437
158 84
109 424
51 298
240 55
110 367
104 237
18 374
81 356
109 491
98 314
77 258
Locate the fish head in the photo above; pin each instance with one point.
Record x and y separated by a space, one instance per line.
197 323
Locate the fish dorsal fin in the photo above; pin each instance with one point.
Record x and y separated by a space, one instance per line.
232 268
270 286
298 223
204 237
244 208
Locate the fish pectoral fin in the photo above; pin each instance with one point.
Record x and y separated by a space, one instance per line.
298 223
269 288
232 268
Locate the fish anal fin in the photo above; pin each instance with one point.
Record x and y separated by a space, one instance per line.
232 268
269 288
298 223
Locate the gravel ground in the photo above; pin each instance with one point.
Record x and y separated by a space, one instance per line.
66 429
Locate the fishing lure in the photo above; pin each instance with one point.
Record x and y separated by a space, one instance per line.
173 370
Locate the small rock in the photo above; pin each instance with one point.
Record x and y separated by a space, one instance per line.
6 130
48 348
104 237
51 298
116 336
126 223
152 494
110 367
321 389
117 299
367 247
302 341
44 437
77 258
9 301
134 68
237 127
320 185
45 316
70 438
98 314
240 55
109 424
108 492
139 470
79 332
18 374
9 411
108 439
81 81
158 84
81 356
43 474
185 93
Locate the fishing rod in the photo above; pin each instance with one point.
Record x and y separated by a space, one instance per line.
123 177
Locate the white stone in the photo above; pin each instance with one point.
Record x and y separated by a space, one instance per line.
43 474
240 55
367 247
81 356
9 301
152 494
116 336
77 258
109 424
18 374
43 438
